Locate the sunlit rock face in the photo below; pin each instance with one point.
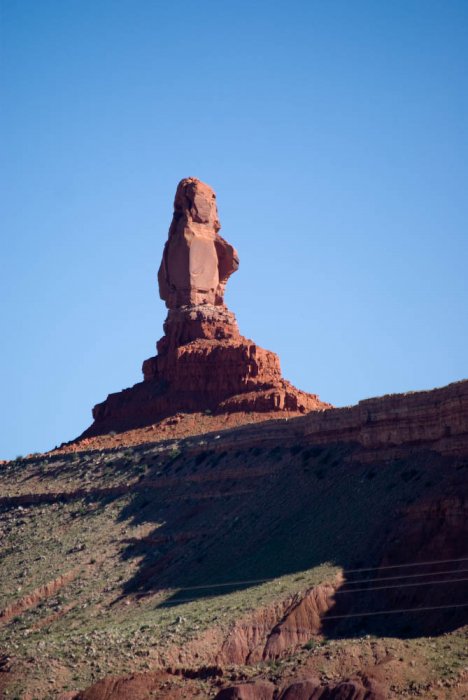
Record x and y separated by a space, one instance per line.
196 262
202 361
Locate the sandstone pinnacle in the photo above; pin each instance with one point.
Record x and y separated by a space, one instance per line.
202 361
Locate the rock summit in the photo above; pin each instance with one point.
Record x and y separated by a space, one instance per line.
202 361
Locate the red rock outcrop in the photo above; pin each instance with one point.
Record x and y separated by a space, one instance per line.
196 261
37 596
276 630
307 689
436 419
202 361
143 685
353 689
257 690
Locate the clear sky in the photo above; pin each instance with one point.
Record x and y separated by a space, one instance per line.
335 135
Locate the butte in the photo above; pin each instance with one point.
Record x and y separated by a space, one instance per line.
202 361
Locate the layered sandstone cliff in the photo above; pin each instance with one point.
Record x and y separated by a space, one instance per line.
383 426
202 362
436 419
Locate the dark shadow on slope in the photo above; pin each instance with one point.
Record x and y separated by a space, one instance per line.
422 578
226 520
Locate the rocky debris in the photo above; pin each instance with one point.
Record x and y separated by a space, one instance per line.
259 690
268 633
202 361
38 595
307 689
5 663
301 690
279 628
136 686
312 689
140 686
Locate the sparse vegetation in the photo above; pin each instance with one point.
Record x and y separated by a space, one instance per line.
283 530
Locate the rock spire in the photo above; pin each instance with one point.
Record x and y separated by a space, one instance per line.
202 361
196 262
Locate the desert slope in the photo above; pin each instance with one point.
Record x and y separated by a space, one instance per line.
277 553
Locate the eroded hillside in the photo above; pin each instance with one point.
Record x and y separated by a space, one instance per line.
253 553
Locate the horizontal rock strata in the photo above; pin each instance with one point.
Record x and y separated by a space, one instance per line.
436 418
382 427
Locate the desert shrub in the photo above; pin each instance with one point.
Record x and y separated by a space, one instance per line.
311 644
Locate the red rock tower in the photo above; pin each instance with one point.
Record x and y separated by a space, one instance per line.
202 361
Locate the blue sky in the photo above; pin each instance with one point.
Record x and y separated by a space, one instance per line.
335 136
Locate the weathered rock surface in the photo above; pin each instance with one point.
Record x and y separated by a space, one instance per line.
277 629
389 490
260 690
436 419
141 686
307 689
196 262
202 361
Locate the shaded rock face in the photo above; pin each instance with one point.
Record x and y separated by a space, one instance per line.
202 360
